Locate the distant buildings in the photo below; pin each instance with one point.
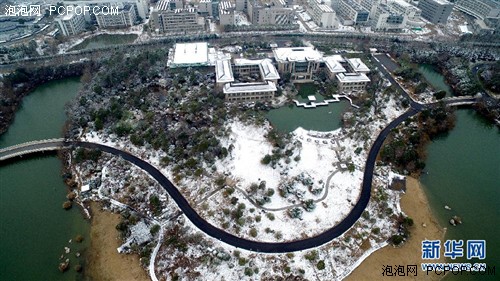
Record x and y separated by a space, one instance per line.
166 17
351 12
435 11
126 17
300 62
386 19
71 23
226 13
276 13
323 15
480 9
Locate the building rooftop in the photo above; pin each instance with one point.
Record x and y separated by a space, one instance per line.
189 54
267 69
358 65
163 5
333 63
352 77
296 54
223 71
253 87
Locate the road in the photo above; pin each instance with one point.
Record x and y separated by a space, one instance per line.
219 234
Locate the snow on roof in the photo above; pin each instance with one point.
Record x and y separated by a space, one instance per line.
190 54
296 54
464 29
358 65
352 77
253 87
163 5
267 69
333 63
223 71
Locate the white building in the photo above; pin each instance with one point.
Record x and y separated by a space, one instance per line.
357 65
71 23
323 15
264 68
300 62
334 65
349 82
126 17
386 19
249 92
188 54
236 91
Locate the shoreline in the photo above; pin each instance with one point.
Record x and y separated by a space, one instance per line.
414 204
103 262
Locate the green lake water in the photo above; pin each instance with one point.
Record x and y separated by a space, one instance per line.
434 78
322 118
105 40
464 173
34 228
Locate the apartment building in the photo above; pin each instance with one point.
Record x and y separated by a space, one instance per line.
386 19
226 13
352 13
71 23
167 18
274 13
125 17
141 7
480 9
323 15
435 11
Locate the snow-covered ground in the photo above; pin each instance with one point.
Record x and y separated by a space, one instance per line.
322 155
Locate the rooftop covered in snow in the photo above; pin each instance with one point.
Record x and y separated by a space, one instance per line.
254 87
188 54
333 63
267 69
357 65
352 77
223 71
297 54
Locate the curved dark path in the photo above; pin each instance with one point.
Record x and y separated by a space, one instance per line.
230 239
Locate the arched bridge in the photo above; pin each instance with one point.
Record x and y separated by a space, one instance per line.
32 147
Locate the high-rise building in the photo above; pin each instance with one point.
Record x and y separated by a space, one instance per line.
351 12
126 16
435 11
323 15
71 23
167 19
480 9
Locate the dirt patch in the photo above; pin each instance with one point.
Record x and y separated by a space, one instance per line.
414 203
104 263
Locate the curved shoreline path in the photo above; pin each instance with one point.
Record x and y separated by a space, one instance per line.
211 230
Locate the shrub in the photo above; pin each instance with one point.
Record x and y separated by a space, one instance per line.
270 216
396 239
266 160
253 232
320 265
